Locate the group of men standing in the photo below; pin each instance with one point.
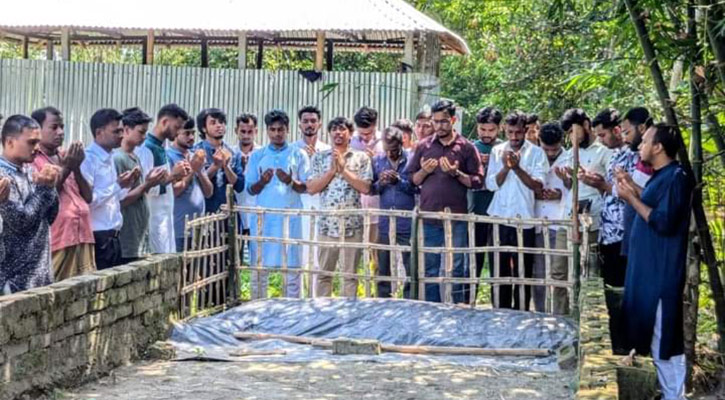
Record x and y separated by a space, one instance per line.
69 211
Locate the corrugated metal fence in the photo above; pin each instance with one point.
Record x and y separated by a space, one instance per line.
78 89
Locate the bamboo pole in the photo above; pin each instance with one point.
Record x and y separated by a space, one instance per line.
406 349
320 52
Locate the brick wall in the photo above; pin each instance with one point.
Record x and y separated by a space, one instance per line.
80 328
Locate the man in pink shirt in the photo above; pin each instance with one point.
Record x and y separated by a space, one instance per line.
71 237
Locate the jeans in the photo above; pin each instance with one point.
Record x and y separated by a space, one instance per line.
384 287
434 236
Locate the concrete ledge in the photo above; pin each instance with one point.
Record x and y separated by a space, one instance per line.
77 329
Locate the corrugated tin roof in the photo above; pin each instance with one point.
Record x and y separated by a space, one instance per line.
362 20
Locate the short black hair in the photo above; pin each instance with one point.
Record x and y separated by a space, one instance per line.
393 132
366 117
551 133
425 114
666 135
40 114
405 125
532 118
607 118
637 115
172 111
516 118
573 116
340 121
133 117
15 125
189 124
246 118
310 110
215 113
444 105
489 115
276 116
103 117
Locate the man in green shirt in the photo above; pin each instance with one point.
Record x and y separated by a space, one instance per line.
134 235
488 122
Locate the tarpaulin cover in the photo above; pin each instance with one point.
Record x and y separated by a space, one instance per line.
391 321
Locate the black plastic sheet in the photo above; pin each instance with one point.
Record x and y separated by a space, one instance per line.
391 321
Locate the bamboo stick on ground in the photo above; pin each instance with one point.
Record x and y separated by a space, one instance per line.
390 348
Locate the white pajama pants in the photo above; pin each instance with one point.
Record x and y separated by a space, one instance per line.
670 373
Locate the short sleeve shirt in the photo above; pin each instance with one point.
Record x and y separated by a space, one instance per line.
339 194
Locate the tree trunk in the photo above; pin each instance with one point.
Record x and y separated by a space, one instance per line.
703 230
715 128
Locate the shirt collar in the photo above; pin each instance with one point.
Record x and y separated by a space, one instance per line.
99 151
277 150
10 165
456 138
154 140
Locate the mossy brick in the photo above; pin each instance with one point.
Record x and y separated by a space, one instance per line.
141 272
124 275
16 348
14 306
76 309
113 314
29 364
136 290
46 296
82 286
41 341
24 327
146 303
171 295
105 279
63 332
4 333
51 318
154 283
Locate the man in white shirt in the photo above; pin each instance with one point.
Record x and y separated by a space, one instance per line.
169 122
100 172
593 159
310 122
549 203
517 169
246 129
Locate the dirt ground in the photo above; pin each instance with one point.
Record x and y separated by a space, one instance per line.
320 380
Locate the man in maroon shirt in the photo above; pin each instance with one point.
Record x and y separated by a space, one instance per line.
445 165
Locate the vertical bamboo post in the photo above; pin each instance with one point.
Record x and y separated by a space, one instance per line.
320 52
575 236
421 257
496 264
257 271
521 267
414 255
285 267
25 48
472 287
65 43
150 41
233 277
343 259
392 255
310 273
366 252
548 291
49 50
448 240
242 50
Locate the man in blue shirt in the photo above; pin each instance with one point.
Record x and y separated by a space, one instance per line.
396 193
191 191
276 175
222 166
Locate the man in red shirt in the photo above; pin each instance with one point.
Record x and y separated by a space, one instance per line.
71 236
